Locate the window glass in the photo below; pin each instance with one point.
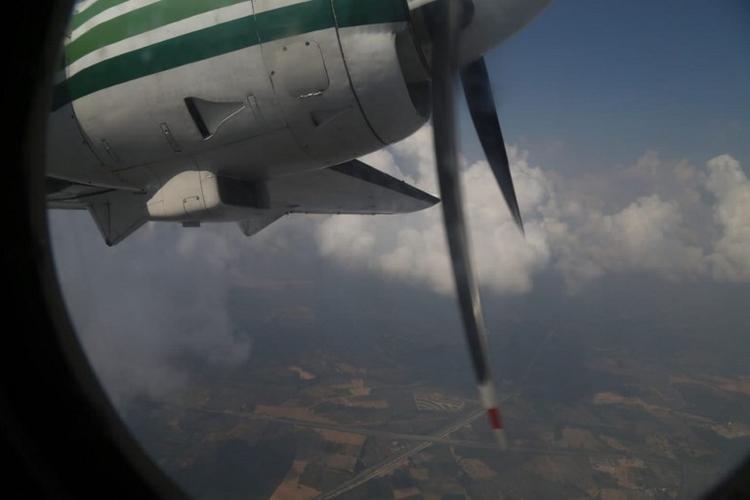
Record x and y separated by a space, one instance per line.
263 335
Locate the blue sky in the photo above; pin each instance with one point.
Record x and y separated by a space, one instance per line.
593 85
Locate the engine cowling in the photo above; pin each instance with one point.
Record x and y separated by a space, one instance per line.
389 80
204 196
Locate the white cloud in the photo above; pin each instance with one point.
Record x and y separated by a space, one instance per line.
413 246
730 259
654 217
642 237
140 306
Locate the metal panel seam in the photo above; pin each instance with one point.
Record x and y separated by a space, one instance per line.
349 77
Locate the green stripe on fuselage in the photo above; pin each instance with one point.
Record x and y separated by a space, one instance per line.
305 17
195 46
354 13
153 16
140 21
92 10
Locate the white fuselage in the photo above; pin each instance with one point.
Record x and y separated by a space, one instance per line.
284 105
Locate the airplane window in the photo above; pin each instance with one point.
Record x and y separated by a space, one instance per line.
272 221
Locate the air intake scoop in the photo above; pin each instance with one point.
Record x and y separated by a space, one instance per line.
210 115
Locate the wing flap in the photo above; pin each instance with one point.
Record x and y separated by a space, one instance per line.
253 225
117 213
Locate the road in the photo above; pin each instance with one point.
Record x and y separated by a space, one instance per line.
394 461
435 438
312 424
432 438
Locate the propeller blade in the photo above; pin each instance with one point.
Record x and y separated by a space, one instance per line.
478 91
445 18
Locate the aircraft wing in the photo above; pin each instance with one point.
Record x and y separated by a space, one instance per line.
350 188
117 213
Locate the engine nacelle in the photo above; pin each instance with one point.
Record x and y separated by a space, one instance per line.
391 83
204 196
